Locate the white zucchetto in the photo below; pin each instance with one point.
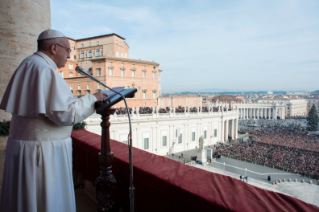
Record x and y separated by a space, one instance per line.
50 34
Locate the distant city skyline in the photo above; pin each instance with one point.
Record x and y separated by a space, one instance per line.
227 45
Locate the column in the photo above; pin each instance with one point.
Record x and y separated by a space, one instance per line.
244 110
236 131
22 22
269 113
282 113
226 130
230 126
233 128
275 113
221 133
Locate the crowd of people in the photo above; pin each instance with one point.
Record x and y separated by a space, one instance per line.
292 137
293 160
287 148
179 109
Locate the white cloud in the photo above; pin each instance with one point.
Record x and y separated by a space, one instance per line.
226 43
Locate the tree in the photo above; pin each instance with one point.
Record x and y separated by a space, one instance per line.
312 119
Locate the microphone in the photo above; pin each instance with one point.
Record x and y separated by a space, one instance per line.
81 71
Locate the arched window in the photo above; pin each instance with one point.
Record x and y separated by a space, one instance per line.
97 52
82 54
90 53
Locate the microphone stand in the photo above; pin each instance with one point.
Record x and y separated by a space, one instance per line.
81 71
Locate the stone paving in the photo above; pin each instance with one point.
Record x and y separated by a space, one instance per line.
304 191
257 176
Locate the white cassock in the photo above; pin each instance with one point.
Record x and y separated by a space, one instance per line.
38 162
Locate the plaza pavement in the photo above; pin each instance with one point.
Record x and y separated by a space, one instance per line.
257 176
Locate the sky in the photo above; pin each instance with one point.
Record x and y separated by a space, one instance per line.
208 45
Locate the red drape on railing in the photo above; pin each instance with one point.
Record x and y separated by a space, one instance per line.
166 185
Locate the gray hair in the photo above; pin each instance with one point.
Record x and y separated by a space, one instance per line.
45 45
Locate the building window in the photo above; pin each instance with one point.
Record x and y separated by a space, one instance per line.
87 86
122 64
97 52
61 73
198 101
188 102
215 133
99 72
193 136
116 42
133 73
169 103
79 93
121 54
121 44
144 95
205 134
180 138
133 65
97 43
144 74
194 101
154 95
122 73
79 87
162 103
70 66
154 75
146 144
144 103
71 87
117 53
82 45
82 54
90 54
99 86
111 72
71 74
111 63
89 43
164 139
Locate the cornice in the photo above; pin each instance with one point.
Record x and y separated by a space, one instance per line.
125 60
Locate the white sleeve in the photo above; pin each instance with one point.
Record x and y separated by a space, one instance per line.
77 111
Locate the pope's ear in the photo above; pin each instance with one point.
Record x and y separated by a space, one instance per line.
53 49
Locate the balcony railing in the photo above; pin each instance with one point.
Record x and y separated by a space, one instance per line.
163 184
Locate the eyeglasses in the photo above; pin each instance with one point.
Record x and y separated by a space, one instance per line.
66 48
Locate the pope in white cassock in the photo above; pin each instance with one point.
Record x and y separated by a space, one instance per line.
38 162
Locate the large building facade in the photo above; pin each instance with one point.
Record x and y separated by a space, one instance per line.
107 58
167 133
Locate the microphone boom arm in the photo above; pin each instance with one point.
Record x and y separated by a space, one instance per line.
81 71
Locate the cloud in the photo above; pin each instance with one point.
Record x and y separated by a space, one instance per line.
252 45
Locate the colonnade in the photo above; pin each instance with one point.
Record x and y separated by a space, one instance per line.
229 129
261 113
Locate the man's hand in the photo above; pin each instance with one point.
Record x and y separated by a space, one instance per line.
100 96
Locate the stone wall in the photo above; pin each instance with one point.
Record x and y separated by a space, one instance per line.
21 21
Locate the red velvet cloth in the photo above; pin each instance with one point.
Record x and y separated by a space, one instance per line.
165 185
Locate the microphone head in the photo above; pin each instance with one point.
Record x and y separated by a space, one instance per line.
80 70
